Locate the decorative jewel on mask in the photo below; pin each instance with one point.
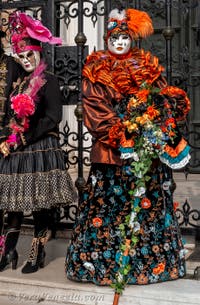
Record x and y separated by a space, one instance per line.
112 25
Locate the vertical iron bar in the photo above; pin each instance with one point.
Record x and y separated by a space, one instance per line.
80 40
168 33
48 20
108 7
138 7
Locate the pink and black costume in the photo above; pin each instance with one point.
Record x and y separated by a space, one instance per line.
33 177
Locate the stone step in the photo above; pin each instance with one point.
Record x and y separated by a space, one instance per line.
19 291
49 286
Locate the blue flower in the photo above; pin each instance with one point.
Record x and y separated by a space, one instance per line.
132 280
155 194
93 235
127 170
144 250
174 244
123 198
164 276
117 190
107 254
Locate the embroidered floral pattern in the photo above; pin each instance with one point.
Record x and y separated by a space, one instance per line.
159 253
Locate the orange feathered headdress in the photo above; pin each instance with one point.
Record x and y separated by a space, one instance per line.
136 23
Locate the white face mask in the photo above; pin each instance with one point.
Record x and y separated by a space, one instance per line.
119 44
29 60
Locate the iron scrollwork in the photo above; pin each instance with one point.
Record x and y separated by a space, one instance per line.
91 9
67 138
187 216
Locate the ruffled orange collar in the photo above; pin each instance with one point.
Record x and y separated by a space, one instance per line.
124 74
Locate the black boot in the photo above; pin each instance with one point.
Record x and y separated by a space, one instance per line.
8 253
37 254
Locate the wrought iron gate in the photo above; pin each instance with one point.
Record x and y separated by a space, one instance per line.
176 42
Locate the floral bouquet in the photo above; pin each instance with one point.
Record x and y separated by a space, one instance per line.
147 130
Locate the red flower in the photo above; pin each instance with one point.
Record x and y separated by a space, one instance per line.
23 105
145 203
152 112
97 222
160 268
170 121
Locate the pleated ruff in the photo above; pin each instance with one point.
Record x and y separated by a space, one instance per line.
35 178
94 252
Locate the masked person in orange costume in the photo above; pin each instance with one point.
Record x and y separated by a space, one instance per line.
33 175
126 229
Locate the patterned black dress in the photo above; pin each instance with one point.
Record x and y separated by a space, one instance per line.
95 253
34 176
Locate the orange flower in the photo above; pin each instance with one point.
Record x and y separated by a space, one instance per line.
142 119
174 273
155 248
142 279
159 269
145 203
152 112
170 121
83 256
106 281
142 95
163 128
131 126
175 205
126 143
171 133
97 222
132 103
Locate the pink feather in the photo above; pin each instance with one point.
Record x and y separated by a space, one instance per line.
37 80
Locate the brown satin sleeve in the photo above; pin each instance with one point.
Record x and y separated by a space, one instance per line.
99 115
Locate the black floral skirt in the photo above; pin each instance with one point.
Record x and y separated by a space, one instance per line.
93 254
35 178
